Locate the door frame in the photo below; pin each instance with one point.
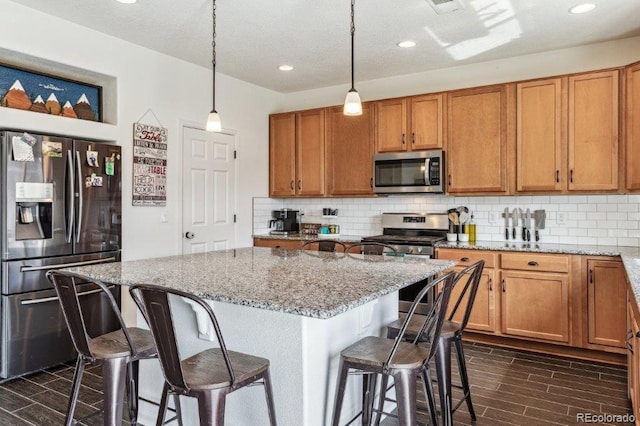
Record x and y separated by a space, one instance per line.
200 126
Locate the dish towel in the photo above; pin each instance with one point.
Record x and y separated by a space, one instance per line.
205 327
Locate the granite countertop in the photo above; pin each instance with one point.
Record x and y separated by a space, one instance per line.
630 255
307 237
299 282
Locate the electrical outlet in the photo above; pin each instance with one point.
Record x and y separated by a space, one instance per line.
562 218
164 216
492 217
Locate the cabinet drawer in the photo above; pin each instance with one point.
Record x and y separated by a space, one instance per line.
467 257
535 262
274 243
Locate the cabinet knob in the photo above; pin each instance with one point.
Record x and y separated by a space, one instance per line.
591 276
504 287
464 259
413 138
571 175
403 139
449 180
557 176
299 184
371 182
532 263
490 284
292 188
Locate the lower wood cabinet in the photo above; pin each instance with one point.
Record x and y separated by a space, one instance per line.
633 354
559 303
483 313
535 305
606 294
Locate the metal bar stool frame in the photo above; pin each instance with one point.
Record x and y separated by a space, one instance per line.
153 302
402 360
114 368
371 248
325 244
451 333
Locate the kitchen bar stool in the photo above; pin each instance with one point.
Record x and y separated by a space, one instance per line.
117 352
399 358
324 245
370 248
467 281
208 375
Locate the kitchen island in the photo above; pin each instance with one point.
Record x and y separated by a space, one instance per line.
297 308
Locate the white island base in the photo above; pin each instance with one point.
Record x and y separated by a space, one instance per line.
304 353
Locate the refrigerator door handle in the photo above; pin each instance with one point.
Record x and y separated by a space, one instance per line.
66 265
79 221
51 299
69 211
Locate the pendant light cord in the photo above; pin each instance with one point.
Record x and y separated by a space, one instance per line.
213 61
353 32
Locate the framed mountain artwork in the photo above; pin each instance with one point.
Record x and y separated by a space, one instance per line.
47 94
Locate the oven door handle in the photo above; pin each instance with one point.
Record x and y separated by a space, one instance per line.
427 165
51 299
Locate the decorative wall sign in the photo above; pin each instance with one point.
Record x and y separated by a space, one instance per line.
32 91
149 165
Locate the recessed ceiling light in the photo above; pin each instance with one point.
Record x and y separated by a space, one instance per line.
285 67
127 1
582 8
407 43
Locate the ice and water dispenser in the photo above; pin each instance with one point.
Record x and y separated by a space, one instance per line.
34 211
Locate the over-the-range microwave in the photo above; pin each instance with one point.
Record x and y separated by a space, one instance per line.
409 172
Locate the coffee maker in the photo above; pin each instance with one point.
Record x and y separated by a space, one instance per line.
284 222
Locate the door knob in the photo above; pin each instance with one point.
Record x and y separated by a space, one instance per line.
189 235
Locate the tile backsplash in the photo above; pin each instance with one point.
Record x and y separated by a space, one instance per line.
571 219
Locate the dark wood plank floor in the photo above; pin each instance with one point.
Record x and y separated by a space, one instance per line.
41 399
512 387
509 388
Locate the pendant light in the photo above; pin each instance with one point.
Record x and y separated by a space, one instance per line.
213 121
352 103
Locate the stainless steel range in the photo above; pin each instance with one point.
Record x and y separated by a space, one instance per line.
412 234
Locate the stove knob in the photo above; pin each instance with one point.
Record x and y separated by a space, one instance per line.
419 250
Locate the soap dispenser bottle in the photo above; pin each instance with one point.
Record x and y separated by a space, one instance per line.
471 229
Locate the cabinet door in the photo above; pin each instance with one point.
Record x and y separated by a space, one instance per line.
350 152
391 127
633 126
477 140
282 154
593 131
310 153
634 359
535 305
539 135
483 313
427 122
606 293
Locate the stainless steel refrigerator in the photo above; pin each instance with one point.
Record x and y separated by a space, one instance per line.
61 207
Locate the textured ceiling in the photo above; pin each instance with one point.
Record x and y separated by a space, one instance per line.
254 37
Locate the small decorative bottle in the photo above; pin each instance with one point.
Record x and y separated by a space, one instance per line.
471 229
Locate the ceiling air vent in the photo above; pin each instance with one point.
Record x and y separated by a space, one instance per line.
445 6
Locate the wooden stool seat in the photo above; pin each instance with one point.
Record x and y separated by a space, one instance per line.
115 345
207 369
449 328
373 351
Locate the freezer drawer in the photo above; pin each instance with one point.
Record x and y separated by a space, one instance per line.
35 335
21 276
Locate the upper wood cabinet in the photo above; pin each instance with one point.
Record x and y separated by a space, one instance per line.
350 149
540 135
282 155
408 124
477 140
391 125
593 131
296 154
633 126
427 121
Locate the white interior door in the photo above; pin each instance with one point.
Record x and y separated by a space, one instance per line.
208 191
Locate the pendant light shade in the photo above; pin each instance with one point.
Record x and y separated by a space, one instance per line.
213 121
352 103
